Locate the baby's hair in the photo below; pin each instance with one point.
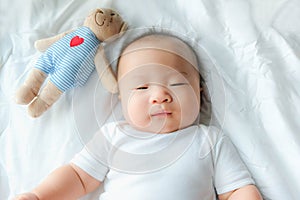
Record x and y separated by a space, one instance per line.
149 36
162 34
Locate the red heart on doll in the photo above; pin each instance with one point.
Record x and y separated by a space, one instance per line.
76 41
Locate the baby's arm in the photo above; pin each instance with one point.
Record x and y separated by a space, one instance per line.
249 192
67 182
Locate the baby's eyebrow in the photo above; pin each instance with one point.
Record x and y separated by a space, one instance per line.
176 73
184 73
137 78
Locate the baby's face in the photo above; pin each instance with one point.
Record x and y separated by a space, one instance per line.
159 90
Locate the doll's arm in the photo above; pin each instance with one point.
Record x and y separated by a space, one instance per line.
43 44
249 192
67 182
105 72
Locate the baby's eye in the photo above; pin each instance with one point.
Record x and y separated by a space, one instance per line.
178 84
142 88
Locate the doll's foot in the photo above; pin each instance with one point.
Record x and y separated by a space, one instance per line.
24 95
37 107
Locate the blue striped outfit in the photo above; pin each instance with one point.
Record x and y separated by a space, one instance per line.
70 66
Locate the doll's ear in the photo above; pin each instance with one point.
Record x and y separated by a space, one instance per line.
124 27
92 12
105 72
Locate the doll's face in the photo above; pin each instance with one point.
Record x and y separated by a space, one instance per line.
159 90
105 23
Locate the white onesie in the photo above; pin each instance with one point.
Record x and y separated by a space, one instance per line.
194 163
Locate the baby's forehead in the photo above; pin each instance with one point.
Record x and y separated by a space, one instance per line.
164 43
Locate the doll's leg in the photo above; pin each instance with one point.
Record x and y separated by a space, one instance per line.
31 86
49 95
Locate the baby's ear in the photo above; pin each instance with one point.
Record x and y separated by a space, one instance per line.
105 72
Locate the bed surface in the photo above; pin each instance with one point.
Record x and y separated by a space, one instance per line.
254 47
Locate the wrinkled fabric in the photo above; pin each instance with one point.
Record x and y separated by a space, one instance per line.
253 47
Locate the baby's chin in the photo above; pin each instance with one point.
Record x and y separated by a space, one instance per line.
160 124
156 130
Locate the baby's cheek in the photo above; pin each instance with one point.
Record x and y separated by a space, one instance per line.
137 112
190 107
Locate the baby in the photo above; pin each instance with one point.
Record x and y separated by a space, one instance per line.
159 152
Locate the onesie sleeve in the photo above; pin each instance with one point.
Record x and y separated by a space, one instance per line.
230 171
93 157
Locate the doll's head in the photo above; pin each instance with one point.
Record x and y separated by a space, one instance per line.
159 84
105 23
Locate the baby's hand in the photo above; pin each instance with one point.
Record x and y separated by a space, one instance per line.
26 196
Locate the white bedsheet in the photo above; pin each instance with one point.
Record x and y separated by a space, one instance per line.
254 44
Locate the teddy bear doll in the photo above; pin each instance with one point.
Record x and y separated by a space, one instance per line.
68 60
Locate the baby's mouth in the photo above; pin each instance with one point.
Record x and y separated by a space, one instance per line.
162 113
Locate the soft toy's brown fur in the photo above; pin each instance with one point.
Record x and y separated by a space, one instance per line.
39 101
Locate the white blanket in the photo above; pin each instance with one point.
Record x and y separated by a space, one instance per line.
255 48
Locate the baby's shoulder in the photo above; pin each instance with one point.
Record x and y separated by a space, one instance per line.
208 138
211 133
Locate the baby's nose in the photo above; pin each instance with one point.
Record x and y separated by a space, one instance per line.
160 95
